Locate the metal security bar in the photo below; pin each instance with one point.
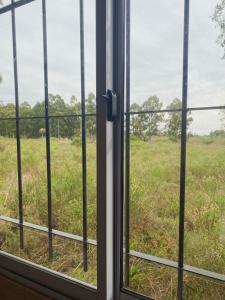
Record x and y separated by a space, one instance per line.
84 163
47 117
20 188
47 131
183 151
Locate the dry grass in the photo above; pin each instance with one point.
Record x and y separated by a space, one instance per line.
155 169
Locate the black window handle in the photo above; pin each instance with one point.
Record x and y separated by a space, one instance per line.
111 98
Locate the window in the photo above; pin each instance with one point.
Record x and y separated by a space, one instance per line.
173 146
129 207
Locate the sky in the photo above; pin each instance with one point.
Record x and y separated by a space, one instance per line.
156 54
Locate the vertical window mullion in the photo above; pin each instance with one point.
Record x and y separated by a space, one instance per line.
47 130
19 167
127 166
183 150
84 160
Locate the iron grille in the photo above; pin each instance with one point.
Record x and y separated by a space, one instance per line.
179 266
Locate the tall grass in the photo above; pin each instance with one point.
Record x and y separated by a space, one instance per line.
155 172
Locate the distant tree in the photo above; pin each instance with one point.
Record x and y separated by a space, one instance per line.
219 18
217 133
25 109
174 120
75 108
91 120
60 126
7 128
65 118
27 127
152 120
136 121
146 125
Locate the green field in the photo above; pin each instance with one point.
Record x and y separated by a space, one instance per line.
155 171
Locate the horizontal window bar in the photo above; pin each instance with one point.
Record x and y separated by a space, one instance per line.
126 113
49 117
175 110
158 260
45 229
173 264
147 257
15 5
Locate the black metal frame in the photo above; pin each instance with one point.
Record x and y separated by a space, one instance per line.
110 58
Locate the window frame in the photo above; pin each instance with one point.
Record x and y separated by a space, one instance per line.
37 277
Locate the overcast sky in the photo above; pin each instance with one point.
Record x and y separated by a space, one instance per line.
156 54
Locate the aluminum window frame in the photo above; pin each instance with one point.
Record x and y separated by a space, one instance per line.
25 272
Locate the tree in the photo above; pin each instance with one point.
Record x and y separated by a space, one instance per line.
151 121
136 121
217 133
146 125
174 120
75 109
219 18
91 120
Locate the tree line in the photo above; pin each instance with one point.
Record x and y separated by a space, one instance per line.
32 121
142 125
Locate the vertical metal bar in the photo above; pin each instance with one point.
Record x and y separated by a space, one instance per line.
47 131
105 146
118 141
19 168
101 148
183 150
127 171
84 162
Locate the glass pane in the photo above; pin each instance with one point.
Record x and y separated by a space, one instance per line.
65 135
64 54
206 68
68 259
8 169
33 155
35 247
63 50
160 282
154 184
202 288
30 59
7 94
156 50
67 174
204 217
9 238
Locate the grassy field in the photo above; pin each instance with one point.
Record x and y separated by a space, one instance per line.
155 169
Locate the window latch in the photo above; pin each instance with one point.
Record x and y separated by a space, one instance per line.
111 100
